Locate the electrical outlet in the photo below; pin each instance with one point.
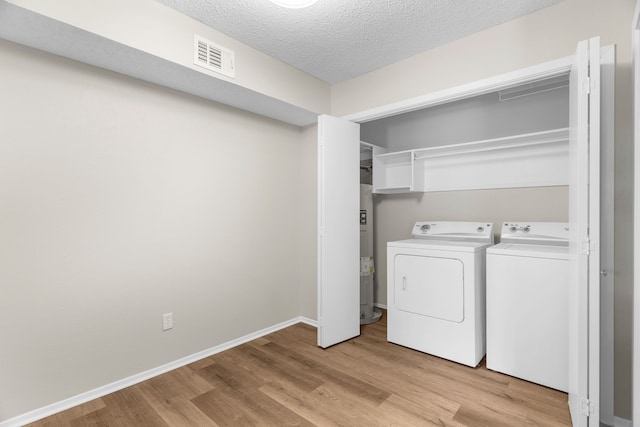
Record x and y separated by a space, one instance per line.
167 321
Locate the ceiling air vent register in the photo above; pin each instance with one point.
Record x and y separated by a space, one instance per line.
213 57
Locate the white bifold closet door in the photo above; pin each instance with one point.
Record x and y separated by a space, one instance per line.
338 230
584 222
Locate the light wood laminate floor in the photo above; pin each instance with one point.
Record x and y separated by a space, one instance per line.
285 379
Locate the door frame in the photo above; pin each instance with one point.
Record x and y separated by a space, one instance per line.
607 240
636 198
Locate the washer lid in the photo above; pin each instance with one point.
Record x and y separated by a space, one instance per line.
439 245
530 251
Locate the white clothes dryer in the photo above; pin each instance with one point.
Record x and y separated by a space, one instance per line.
528 303
436 290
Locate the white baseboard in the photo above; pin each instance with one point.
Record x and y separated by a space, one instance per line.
85 397
383 306
621 422
309 321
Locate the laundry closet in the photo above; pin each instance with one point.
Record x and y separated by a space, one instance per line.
511 148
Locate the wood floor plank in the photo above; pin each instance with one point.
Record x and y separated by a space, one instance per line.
303 404
456 380
170 396
249 403
510 407
122 409
218 375
261 364
63 419
202 363
383 371
385 374
260 341
345 408
223 409
329 374
246 407
482 415
551 402
182 383
549 397
410 413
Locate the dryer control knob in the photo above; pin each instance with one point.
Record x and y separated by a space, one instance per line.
425 227
513 229
526 229
480 229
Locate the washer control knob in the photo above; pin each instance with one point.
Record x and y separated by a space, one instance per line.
425 227
526 229
480 229
513 229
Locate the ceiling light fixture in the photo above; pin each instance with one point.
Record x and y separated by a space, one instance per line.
294 4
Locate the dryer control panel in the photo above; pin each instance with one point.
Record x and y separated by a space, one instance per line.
535 233
453 230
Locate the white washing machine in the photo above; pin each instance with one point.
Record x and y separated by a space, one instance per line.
528 302
436 290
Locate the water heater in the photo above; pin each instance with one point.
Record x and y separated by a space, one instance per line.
368 313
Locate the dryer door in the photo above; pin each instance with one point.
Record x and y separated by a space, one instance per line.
430 286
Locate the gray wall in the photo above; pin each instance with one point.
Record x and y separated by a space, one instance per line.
469 120
308 223
394 215
121 201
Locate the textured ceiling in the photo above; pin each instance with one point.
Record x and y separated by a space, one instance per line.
336 40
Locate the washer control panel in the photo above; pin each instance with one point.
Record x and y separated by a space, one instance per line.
515 228
541 233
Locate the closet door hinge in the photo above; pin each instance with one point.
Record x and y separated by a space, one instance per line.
586 86
586 246
586 407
